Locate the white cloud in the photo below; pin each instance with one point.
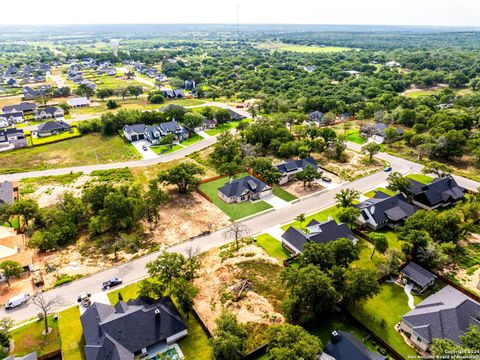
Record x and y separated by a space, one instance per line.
387 12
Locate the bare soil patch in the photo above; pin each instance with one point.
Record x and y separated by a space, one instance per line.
50 194
259 305
296 188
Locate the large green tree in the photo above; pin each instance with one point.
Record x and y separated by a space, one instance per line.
287 341
183 176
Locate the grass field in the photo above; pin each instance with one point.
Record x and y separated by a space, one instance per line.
319 216
29 338
353 135
86 150
272 246
371 194
71 334
424 179
301 48
194 346
282 194
416 93
54 138
165 149
224 127
236 211
193 139
380 314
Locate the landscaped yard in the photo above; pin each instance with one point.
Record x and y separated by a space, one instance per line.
165 149
382 312
353 135
237 210
424 179
29 338
71 334
282 194
85 150
225 127
54 138
372 193
319 216
194 138
272 247
194 346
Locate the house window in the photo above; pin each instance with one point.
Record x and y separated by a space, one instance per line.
419 339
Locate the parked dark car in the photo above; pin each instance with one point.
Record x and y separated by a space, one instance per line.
326 179
111 283
388 169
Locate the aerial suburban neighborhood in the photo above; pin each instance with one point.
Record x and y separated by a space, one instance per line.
232 191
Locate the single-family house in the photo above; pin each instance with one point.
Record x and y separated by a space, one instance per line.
377 132
78 102
50 112
3 122
235 115
50 128
447 314
11 70
289 168
173 127
420 278
189 85
25 107
344 346
209 124
383 210
309 68
12 117
131 330
12 82
134 132
392 64
317 117
294 239
12 136
440 192
244 189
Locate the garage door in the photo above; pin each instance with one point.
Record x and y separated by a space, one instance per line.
134 137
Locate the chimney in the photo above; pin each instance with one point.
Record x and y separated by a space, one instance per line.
157 314
335 338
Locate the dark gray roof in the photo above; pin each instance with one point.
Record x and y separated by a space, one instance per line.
138 128
323 233
245 184
171 127
6 193
294 165
53 125
50 110
24 106
394 208
235 115
119 332
316 115
439 191
13 113
418 274
345 346
447 314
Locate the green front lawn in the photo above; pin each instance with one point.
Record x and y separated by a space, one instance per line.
71 334
382 312
272 247
424 179
194 138
194 346
282 194
236 211
371 194
354 136
54 138
165 149
29 338
319 216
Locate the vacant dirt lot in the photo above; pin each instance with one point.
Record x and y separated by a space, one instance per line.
259 305
296 188
187 216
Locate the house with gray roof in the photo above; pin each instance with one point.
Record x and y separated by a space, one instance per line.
244 189
383 210
78 102
345 346
441 192
10 118
50 112
24 107
377 131
317 117
50 128
420 278
289 168
294 239
447 314
134 132
131 330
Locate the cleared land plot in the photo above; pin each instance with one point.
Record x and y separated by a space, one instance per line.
236 210
381 313
225 127
165 149
466 269
282 194
86 150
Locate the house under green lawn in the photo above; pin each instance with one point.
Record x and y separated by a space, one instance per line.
235 211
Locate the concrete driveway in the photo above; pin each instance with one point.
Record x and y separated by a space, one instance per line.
275 201
146 154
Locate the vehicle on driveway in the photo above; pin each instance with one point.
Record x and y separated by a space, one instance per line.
18 300
144 147
111 283
84 299
387 169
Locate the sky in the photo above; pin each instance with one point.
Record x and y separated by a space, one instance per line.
365 12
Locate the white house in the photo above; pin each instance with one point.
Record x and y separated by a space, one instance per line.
78 102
